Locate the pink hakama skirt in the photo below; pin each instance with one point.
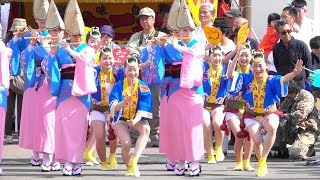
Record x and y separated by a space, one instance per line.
164 125
70 130
44 139
2 124
185 132
28 125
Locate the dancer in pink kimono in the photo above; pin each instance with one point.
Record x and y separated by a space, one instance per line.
185 99
30 128
44 137
5 55
18 44
72 86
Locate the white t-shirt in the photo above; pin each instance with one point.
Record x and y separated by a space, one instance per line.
230 46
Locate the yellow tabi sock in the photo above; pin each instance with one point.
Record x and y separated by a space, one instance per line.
135 170
113 161
129 171
239 166
262 167
247 166
104 166
219 153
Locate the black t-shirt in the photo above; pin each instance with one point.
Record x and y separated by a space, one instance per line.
286 56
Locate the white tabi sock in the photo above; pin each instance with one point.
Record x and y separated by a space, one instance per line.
76 165
181 164
47 159
68 165
194 165
35 155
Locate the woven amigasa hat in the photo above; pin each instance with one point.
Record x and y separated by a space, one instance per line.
54 19
73 19
184 17
40 9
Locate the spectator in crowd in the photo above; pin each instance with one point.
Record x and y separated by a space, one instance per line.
271 37
290 15
232 15
299 127
288 51
206 16
140 39
164 27
237 23
306 28
226 44
107 35
315 55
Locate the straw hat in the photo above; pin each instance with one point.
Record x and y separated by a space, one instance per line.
184 17
40 9
173 16
18 23
54 19
73 19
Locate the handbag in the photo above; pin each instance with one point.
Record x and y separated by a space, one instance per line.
17 84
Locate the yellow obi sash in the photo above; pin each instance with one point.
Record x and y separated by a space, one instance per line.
129 110
214 76
103 84
259 93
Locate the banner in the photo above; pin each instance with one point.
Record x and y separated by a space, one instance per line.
122 17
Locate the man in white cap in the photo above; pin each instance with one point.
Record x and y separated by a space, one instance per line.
137 42
140 39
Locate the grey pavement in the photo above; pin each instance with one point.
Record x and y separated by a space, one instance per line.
16 160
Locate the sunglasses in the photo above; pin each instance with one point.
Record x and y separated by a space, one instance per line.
285 32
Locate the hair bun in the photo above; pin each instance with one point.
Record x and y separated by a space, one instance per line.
95 32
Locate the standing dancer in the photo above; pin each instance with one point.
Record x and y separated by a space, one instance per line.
185 95
107 76
235 108
261 93
44 139
18 44
30 128
215 87
5 55
72 86
130 102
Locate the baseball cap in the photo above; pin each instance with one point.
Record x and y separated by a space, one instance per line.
146 11
106 29
233 13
